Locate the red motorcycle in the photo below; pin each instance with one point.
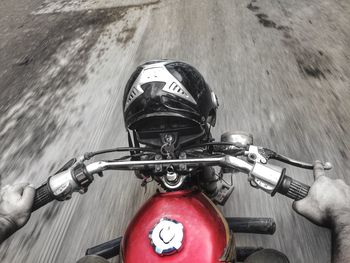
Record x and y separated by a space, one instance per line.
174 225
169 109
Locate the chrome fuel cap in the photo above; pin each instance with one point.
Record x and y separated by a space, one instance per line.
166 236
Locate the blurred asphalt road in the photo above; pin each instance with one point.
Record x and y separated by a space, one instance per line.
279 67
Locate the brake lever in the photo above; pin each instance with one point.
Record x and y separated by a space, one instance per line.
262 155
304 165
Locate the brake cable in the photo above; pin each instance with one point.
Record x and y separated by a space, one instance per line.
89 155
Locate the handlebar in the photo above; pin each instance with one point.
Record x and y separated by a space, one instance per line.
77 178
43 196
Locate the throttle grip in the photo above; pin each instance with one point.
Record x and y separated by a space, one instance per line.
43 196
293 188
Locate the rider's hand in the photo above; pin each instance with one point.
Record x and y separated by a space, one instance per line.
16 202
327 202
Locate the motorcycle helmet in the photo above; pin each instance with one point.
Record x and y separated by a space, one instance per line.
168 99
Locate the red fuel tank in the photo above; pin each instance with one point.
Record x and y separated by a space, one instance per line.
187 221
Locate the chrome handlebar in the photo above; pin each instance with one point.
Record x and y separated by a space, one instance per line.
77 178
224 161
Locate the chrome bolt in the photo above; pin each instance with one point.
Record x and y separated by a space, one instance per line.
171 177
182 155
168 138
182 167
252 156
263 161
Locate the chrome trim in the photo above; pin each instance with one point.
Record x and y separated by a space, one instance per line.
166 237
266 177
173 180
238 139
238 164
63 185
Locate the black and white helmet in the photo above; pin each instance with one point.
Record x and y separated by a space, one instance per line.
168 97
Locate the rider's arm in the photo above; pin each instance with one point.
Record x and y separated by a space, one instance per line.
341 238
328 205
15 207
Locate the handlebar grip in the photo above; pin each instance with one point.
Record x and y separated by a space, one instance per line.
42 197
293 188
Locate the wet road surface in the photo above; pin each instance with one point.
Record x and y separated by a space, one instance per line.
279 68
